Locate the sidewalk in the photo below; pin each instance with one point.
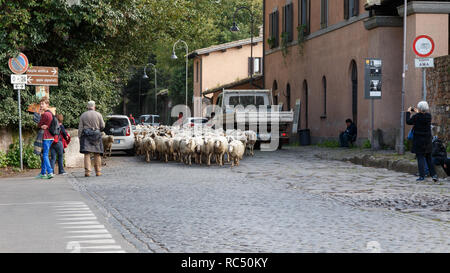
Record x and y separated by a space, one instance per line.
50 216
387 159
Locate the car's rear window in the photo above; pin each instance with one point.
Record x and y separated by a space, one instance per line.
116 126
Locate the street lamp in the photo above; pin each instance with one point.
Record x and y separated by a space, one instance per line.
156 84
235 28
174 57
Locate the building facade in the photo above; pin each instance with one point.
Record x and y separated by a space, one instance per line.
224 64
315 51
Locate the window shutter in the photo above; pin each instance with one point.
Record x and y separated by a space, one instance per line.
283 20
277 28
260 65
250 66
355 7
346 7
291 22
308 15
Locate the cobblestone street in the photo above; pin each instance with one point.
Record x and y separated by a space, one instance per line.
283 201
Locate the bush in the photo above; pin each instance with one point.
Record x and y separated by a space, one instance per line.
30 160
367 144
3 159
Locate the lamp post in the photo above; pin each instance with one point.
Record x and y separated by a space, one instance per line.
156 84
235 28
401 146
174 57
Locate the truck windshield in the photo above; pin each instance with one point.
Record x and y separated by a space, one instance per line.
246 100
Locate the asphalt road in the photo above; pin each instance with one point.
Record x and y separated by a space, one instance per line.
283 201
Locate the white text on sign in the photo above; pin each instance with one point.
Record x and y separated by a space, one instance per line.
18 79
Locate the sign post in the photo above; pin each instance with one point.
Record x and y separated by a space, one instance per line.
372 89
423 46
18 66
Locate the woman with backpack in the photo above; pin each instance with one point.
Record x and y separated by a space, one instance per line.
47 139
59 144
422 146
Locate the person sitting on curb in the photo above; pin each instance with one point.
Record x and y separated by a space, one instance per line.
439 155
349 135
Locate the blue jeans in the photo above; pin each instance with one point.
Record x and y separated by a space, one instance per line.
46 167
57 150
424 160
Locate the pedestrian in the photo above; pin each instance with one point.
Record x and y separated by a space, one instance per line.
57 148
349 135
47 139
422 145
132 120
439 155
89 132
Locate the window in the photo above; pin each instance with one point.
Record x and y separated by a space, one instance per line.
288 21
196 68
324 86
257 66
273 29
304 14
323 13
351 8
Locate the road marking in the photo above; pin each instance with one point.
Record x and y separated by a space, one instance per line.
69 210
119 251
77 215
31 203
80 223
96 236
89 231
102 247
94 226
79 218
106 241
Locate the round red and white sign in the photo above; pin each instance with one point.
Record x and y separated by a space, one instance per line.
19 64
423 46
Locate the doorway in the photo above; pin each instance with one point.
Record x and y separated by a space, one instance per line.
354 84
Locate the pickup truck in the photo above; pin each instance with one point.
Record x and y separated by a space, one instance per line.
236 113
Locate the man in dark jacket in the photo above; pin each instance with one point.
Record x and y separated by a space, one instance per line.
422 145
439 155
89 132
349 135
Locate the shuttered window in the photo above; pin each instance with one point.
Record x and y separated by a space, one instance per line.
288 21
323 13
351 8
273 28
304 14
254 66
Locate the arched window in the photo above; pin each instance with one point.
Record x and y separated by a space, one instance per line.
274 93
324 87
354 86
305 96
288 97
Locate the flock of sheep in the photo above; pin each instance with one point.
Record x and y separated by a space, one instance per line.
185 144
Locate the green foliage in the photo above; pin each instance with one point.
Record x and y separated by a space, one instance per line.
329 144
407 144
3 159
367 144
30 160
301 38
271 41
284 44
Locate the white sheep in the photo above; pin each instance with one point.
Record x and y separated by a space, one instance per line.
236 150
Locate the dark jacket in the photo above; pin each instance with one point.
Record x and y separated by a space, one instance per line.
422 132
438 151
351 131
91 141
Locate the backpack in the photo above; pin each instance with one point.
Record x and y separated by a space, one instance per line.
54 128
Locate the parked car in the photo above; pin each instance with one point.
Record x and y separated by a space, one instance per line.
120 127
149 120
194 122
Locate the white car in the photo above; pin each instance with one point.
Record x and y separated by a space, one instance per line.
195 122
120 127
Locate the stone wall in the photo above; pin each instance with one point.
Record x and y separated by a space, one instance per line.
438 95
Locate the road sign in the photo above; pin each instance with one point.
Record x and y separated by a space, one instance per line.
18 86
43 71
423 46
424 62
42 91
372 71
19 64
16 79
42 80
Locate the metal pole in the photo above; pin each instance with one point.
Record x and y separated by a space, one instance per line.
424 84
139 95
187 62
20 130
156 91
372 125
401 146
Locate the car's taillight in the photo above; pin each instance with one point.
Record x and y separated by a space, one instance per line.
283 134
192 124
128 131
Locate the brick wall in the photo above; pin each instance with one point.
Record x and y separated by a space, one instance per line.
438 95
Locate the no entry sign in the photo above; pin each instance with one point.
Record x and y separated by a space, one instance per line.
423 46
19 64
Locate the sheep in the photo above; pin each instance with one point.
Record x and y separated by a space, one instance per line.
187 149
107 144
208 149
149 147
220 147
199 143
236 150
161 148
251 140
